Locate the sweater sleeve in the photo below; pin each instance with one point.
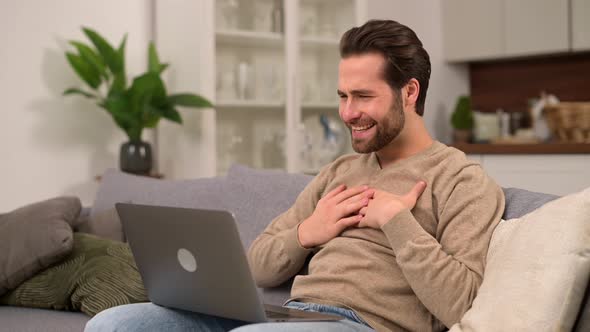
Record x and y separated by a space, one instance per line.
276 255
446 273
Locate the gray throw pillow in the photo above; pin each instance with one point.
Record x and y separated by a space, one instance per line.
35 236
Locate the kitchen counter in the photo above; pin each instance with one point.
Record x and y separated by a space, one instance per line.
539 148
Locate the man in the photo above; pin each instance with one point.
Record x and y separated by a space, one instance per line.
398 233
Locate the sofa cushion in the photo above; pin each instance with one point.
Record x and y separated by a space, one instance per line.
254 196
520 202
538 267
116 186
97 275
258 196
34 320
35 236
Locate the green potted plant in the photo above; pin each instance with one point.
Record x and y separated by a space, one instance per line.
462 120
134 105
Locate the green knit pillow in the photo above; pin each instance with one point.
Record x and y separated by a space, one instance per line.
97 275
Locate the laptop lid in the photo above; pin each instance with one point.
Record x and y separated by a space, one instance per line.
192 259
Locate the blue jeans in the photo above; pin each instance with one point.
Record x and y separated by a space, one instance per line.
151 317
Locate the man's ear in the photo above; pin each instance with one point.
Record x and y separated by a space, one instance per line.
410 93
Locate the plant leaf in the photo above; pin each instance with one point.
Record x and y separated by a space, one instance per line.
120 80
153 60
163 67
151 116
189 100
84 70
110 56
118 106
91 57
171 114
154 64
147 89
118 85
76 91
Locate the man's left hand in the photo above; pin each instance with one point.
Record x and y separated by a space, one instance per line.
384 206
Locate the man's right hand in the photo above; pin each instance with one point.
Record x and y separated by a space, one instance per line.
335 212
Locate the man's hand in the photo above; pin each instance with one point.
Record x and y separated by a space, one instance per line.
335 212
384 206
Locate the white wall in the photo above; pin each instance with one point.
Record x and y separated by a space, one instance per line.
447 82
187 44
52 145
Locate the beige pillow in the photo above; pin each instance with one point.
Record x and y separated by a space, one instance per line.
537 269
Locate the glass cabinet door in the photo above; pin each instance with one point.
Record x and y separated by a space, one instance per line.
321 24
249 87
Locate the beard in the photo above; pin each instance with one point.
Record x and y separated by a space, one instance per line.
386 130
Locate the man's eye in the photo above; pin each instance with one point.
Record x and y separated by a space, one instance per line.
342 96
364 96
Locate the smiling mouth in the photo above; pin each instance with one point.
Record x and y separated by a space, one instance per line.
362 128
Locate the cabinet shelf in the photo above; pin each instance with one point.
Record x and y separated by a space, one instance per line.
248 104
249 38
319 42
320 105
267 65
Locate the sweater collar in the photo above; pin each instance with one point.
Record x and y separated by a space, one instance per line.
435 146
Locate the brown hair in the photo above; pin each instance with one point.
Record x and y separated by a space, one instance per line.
403 51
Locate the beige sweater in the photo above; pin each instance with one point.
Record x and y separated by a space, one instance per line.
419 272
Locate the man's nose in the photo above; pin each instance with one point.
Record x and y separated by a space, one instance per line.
348 111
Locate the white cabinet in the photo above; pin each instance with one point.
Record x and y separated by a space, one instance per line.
580 25
535 27
489 29
268 65
558 174
461 18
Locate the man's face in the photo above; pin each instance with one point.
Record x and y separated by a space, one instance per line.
368 106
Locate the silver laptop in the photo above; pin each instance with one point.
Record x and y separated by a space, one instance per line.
193 259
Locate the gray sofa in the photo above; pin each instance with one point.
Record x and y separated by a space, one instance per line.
254 196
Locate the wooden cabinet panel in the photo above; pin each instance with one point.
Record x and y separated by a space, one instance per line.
472 29
580 25
536 27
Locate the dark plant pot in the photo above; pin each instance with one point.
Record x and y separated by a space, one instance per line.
462 135
136 157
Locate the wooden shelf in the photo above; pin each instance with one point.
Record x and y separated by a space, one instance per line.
98 178
541 148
